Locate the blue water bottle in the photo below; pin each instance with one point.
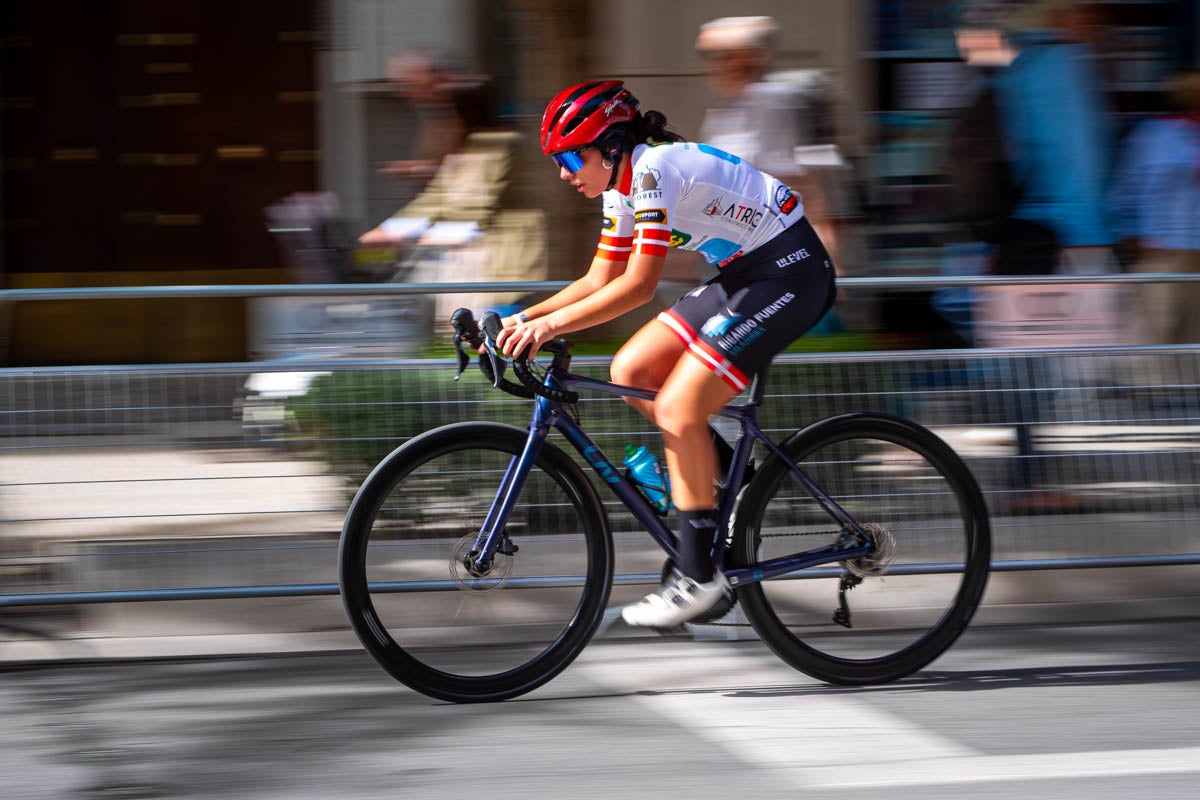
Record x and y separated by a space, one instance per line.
642 468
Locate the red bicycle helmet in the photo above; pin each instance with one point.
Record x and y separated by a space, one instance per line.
580 114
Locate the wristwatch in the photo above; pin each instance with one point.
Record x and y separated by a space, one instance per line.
522 316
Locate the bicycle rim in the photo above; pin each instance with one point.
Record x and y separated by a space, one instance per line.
424 616
919 588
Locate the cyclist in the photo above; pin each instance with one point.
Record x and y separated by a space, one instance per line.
774 282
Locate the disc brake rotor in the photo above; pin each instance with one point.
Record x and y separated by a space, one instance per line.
880 558
496 577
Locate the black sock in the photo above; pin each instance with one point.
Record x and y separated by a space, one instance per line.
696 534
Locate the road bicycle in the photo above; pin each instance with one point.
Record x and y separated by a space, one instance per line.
476 560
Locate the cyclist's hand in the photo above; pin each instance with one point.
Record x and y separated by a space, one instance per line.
505 323
525 335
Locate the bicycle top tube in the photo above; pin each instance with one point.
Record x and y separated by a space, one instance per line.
570 380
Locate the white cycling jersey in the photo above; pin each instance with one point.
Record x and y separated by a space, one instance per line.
695 197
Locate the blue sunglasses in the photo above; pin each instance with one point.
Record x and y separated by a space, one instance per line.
571 160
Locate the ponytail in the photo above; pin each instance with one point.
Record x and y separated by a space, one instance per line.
651 127
648 127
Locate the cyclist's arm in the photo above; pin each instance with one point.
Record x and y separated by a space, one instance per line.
602 272
633 287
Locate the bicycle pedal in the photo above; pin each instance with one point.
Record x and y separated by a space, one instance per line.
723 607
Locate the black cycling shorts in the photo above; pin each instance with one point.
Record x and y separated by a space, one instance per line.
759 304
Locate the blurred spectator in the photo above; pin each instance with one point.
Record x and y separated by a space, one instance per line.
1157 196
1059 129
1028 162
452 109
782 122
462 226
428 80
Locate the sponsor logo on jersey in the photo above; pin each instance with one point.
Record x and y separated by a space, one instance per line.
679 238
734 213
771 310
731 258
794 257
718 324
609 223
784 199
717 251
743 216
646 182
732 332
658 215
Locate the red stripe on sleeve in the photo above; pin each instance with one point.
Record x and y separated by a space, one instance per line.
652 249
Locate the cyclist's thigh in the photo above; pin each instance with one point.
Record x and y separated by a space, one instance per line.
647 358
763 318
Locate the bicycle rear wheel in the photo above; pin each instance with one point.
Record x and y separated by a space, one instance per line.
410 599
919 587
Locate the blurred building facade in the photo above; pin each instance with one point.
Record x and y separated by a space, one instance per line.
142 140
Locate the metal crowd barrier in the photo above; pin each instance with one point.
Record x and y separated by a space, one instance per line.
231 480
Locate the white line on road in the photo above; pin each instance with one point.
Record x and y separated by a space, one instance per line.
777 719
1035 766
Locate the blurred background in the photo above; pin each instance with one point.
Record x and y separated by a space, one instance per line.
150 143
279 143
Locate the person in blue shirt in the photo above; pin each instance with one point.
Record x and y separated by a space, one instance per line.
1156 193
1059 130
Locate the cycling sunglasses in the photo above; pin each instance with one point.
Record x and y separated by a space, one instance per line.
571 160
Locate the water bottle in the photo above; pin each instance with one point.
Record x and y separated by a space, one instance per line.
643 470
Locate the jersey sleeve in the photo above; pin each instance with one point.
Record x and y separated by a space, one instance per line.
657 188
616 230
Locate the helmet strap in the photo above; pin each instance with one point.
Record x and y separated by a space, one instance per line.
613 159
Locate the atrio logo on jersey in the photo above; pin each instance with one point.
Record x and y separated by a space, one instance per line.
741 215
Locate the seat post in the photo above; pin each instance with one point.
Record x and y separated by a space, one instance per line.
758 388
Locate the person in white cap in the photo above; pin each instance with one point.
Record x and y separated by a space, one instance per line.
764 116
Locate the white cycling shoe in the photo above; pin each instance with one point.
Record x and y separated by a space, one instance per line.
678 601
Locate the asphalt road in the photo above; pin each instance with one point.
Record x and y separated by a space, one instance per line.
1075 711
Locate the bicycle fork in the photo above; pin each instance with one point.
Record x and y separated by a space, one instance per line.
493 534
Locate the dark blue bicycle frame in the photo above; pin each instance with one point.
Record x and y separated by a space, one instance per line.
549 414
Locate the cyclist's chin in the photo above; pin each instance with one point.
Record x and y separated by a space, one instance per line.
589 190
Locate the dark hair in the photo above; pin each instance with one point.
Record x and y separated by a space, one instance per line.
649 127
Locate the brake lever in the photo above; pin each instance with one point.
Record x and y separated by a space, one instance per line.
463 358
489 322
465 329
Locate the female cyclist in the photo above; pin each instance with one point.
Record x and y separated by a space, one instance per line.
775 282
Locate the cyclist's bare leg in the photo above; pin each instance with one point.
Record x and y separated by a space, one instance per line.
688 397
645 361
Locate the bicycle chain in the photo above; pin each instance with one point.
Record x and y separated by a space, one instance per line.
837 532
770 536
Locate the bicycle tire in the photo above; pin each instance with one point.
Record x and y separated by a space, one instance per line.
886 471
408 523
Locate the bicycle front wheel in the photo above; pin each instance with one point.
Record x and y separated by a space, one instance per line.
417 609
919 586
